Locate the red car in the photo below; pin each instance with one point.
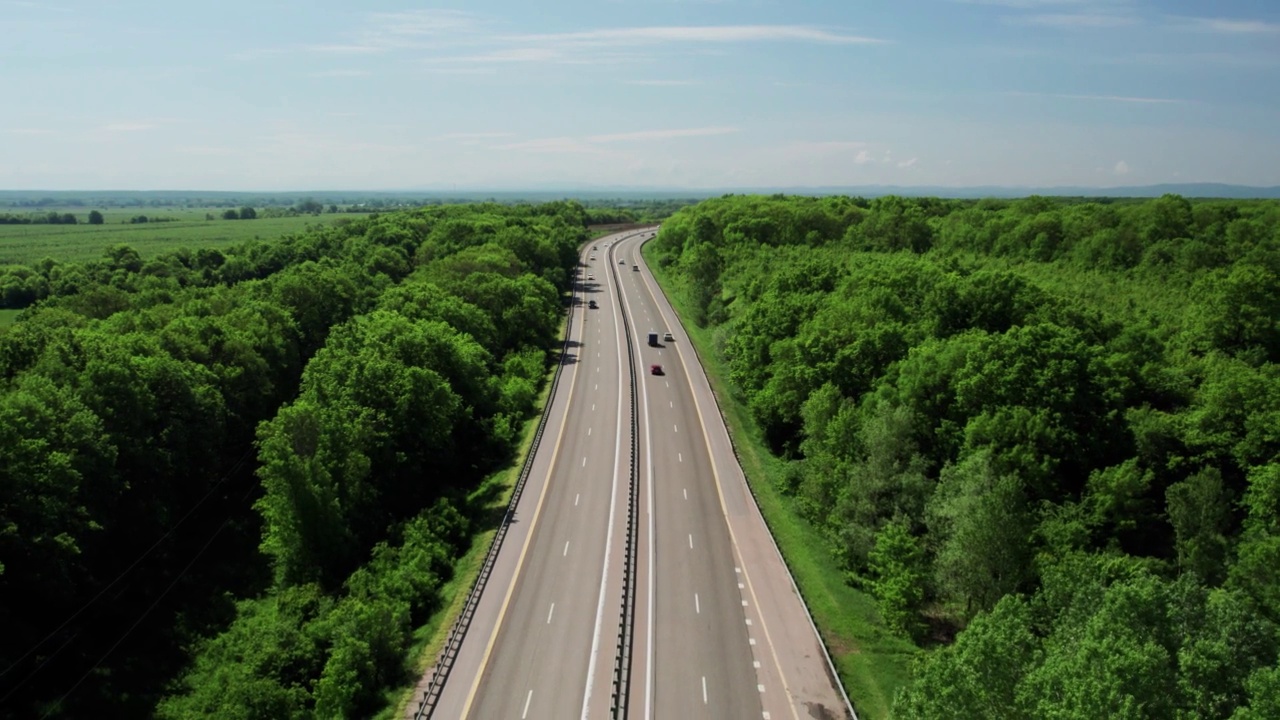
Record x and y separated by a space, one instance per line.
656 369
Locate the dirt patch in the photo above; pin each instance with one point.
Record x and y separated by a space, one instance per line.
839 646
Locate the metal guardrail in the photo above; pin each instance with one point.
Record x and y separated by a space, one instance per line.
620 696
444 662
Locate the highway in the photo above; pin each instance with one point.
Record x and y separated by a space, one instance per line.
718 630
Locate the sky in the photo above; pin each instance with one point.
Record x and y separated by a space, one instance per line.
662 94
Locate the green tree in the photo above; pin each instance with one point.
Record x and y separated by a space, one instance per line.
981 525
979 675
1199 514
1264 696
898 576
95 217
1116 664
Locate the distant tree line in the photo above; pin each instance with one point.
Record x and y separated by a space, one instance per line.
233 482
1051 427
51 218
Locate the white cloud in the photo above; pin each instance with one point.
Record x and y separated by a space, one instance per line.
424 22
598 144
1121 168
703 34
441 30
129 127
344 49
559 145
661 134
828 146
472 136
339 73
207 151
908 163
461 70
28 131
1201 59
1232 26
664 83
1104 98
1069 21
508 55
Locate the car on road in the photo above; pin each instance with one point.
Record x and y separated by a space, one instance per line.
591 277
592 304
636 268
622 262
593 257
593 247
667 337
656 370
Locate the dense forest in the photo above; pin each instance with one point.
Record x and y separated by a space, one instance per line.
232 483
1043 434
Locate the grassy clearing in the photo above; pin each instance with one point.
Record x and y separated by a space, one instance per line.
7 318
27 244
872 662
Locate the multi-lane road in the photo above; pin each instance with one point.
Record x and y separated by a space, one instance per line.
716 629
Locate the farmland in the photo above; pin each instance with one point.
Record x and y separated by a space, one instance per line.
27 244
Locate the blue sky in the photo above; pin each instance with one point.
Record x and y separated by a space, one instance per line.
509 94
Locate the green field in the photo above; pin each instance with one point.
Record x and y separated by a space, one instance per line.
26 244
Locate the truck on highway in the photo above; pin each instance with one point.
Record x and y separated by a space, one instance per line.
653 339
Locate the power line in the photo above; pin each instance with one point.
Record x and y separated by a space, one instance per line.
57 705
119 577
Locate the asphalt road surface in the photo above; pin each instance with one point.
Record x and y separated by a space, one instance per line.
719 630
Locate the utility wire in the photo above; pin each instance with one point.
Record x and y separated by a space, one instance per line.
58 705
122 575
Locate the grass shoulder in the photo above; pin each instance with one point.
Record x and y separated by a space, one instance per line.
871 661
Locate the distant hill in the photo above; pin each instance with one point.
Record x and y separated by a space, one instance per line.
34 199
1190 190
